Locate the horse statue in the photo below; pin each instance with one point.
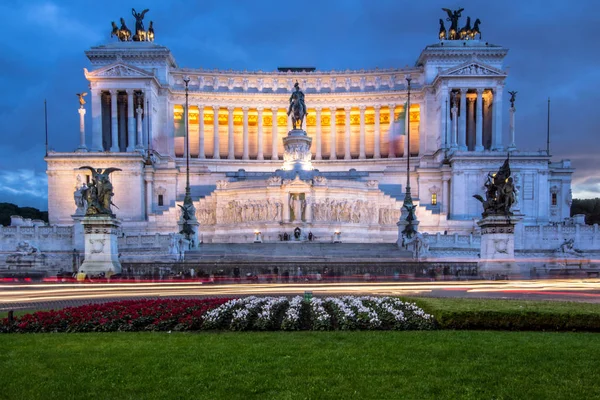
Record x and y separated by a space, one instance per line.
124 32
453 17
297 107
150 36
475 31
442 30
115 30
140 32
465 32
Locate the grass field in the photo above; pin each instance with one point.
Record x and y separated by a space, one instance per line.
301 365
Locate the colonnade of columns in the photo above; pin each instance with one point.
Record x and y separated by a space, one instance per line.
472 118
351 144
117 120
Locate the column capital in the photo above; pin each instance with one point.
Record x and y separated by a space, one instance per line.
230 109
245 109
333 109
129 91
113 92
274 109
463 90
216 108
377 107
260 109
479 91
392 106
200 108
362 108
347 108
318 109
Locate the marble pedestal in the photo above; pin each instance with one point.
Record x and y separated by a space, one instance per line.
193 238
497 256
101 247
297 155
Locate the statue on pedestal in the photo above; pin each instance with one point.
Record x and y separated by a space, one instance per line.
99 192
81 100
140 32
500 192
513 95
297 107
453 17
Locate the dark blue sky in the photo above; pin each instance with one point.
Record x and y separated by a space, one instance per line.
554 52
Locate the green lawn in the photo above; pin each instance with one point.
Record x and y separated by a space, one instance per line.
433 304
301 365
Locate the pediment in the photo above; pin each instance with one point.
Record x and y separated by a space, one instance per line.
120 70
473 68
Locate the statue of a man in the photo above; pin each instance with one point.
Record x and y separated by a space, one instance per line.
139 17
297 106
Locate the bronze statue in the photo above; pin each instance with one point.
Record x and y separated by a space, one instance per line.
99 192
115 30
150 36
81 100
465 32
140 32
475 31
453 17
513 96
499 193
124 32
297 107
442 30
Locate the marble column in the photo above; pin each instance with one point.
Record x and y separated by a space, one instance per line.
511 128
318 155
454 111
479 122
362 152
497 113
230 143
259 137
445 195
246 152
149 178
114 126
201 153
332 152
286 207
130 121
82 147
308 215
462 126
391 143
445 126
216 154
347 155
96 120
377 133
289 123
140 141
471 118
148 98
274 135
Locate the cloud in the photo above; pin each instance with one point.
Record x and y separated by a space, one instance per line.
24 187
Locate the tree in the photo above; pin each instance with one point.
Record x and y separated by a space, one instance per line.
589 207
9 209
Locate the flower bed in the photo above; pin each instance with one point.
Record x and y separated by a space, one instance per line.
249 313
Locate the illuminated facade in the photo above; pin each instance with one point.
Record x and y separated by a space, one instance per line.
236 124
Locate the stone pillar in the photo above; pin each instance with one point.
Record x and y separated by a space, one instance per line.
454 144
259 139
201 153
101 247
462 126
274 135
362 152
445 195
82 147
130 121
114 126
148 98
347 155
471 117
332 154
511 128
140 139
497 112
149 178
479 122
216 154
446 128
231 149
318 155
246 153
96 120
391 144
286 207
377 133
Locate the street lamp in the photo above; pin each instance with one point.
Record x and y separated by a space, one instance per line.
188 197
409 229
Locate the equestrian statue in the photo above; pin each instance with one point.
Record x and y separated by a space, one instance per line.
297 107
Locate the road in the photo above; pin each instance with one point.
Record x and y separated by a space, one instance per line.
57 295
